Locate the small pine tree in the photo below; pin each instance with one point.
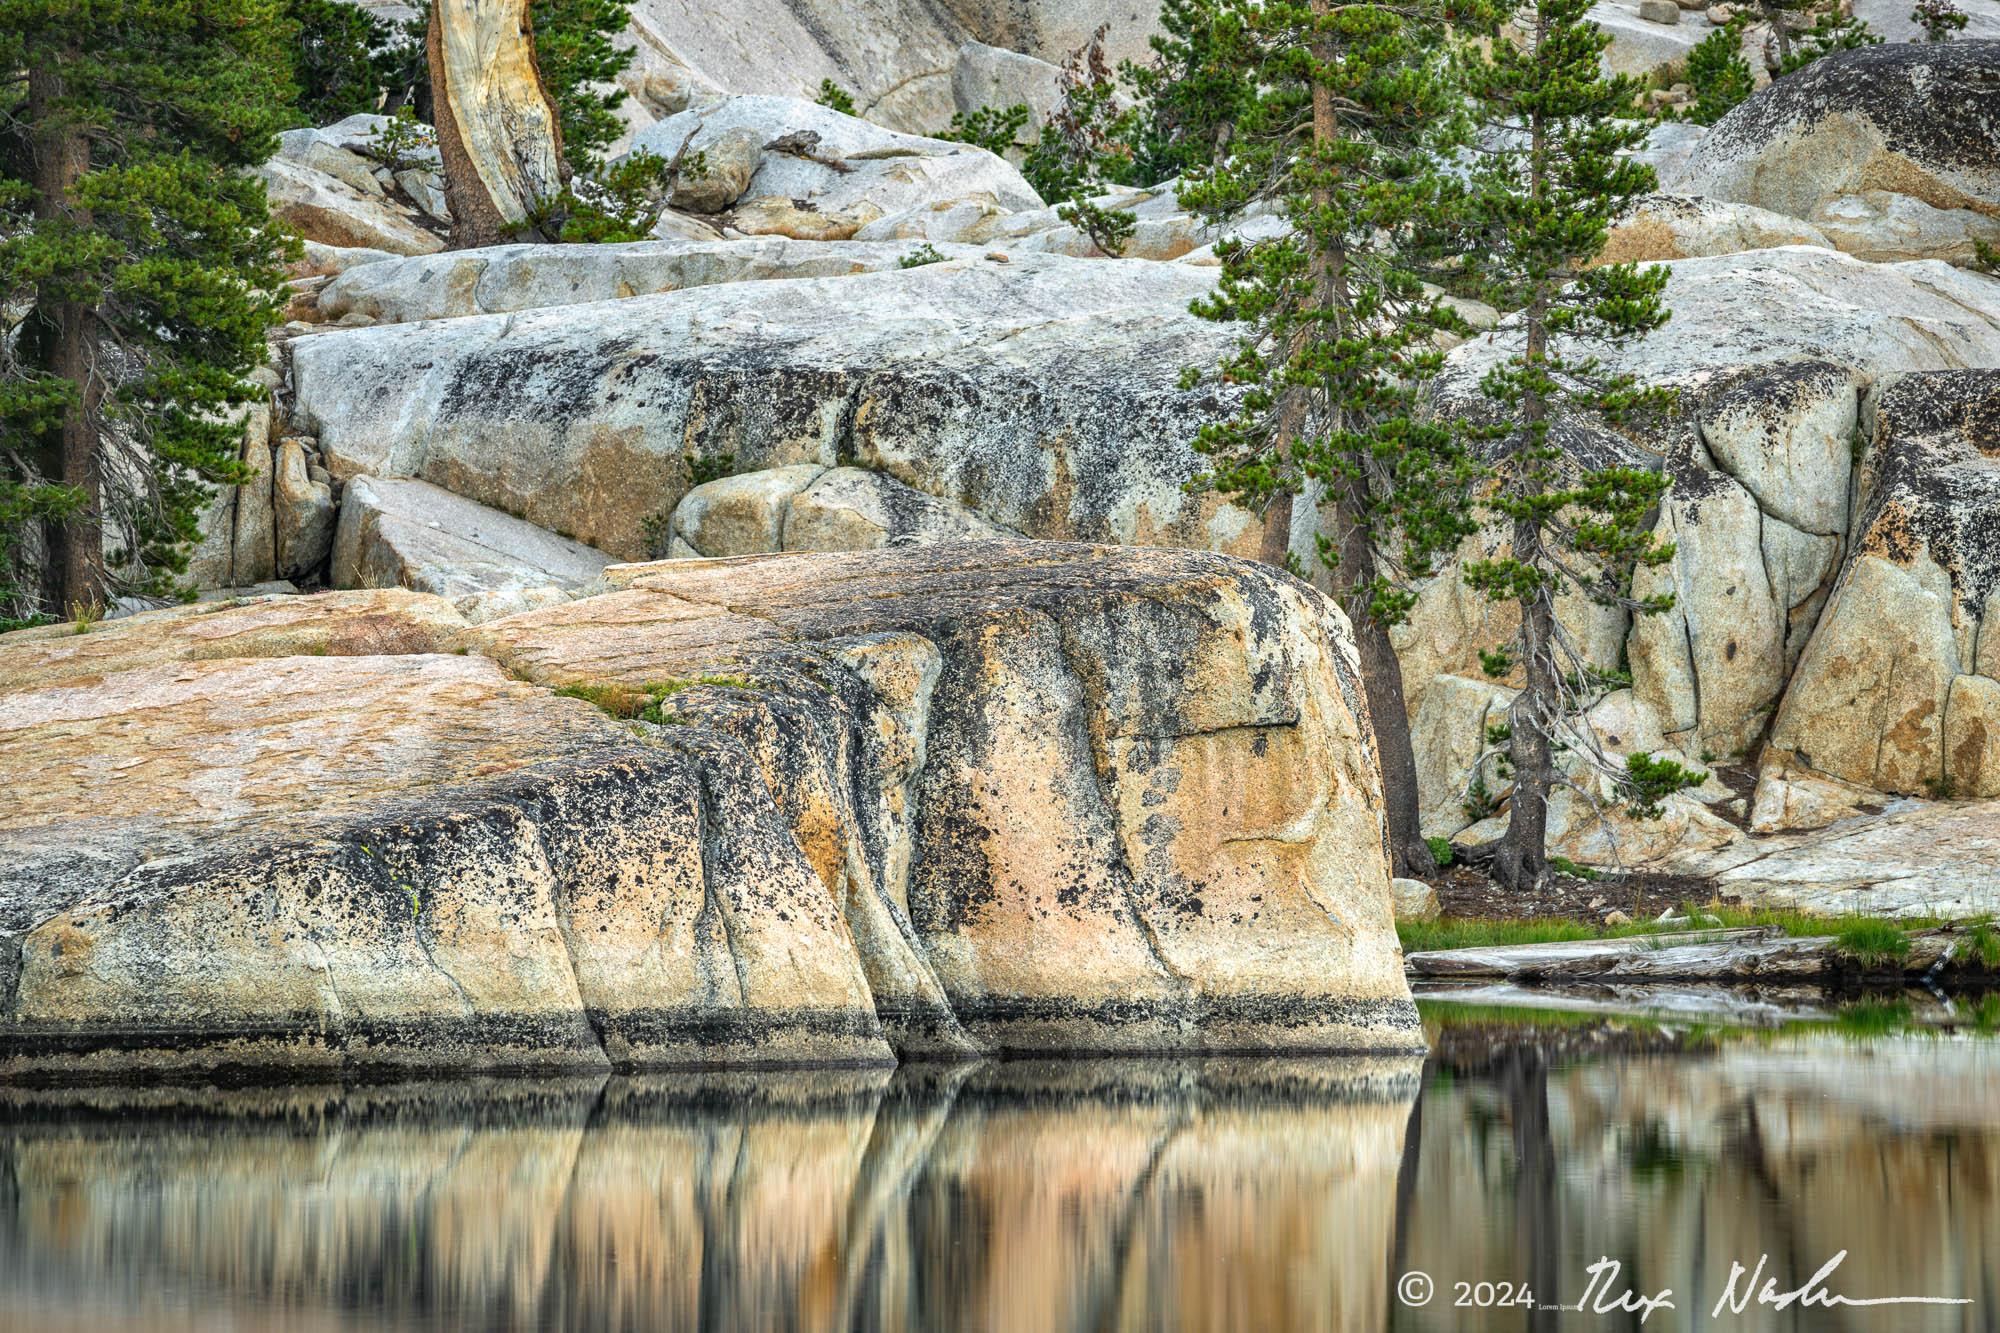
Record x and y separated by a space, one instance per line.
1192 91
1087 144
1939 19
577 51
1793 45
996 130
1718 74
1087 141
138 273
337 67
1346 132
836 98
1550 187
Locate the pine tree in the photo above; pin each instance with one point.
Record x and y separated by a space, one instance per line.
138 274
1551 184
577 51
1352 110
1193 90
338 69
1793 45
1939 19
1718 74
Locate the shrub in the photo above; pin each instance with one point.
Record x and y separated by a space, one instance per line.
1718 74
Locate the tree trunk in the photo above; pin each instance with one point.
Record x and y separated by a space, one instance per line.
496 126
56 340
1382 676
1381 670
1523 856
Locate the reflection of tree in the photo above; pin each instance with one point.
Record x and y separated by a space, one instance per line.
1406 1185
1524 1084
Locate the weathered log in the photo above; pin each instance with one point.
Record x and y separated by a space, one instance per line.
496 125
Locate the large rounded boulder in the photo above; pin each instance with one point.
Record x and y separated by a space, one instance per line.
1892 151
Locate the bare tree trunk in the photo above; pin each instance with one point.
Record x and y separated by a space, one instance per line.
1381 670
496 125
56 339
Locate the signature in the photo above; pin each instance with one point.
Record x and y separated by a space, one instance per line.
1605 1295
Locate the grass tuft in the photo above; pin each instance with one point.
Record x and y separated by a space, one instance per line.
1872 942
642 703
1869 941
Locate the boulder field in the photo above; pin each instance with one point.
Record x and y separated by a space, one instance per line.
1000 797
916 350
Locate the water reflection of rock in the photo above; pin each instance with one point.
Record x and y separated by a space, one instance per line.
1215 1194
1676 1165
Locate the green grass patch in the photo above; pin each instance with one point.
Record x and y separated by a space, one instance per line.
1873 1018
1872 943
642 703
1440 1014
1479 932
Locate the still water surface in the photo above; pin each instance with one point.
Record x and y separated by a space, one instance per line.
1221 1194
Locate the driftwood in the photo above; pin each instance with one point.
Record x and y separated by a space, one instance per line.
497 128
1752 954
1666 1002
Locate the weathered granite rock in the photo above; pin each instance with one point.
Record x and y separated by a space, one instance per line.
1640 45
945 223
1794 303
1868 704
1666 150
1003 797
898 58
410 534
1758 518
729 160
1680 226
1451 624
256 524
1771 351
302 512
330 261
800 219
893 56
880 171
1893 21
346 624
328 210
504 278
850 509
1414 900
1972 736
324 153
809 508
1914 858
740 515
991 76
1041 395
1595 830
1893 151
212 562
1448 736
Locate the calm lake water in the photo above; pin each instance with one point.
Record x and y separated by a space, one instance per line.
1220 1194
